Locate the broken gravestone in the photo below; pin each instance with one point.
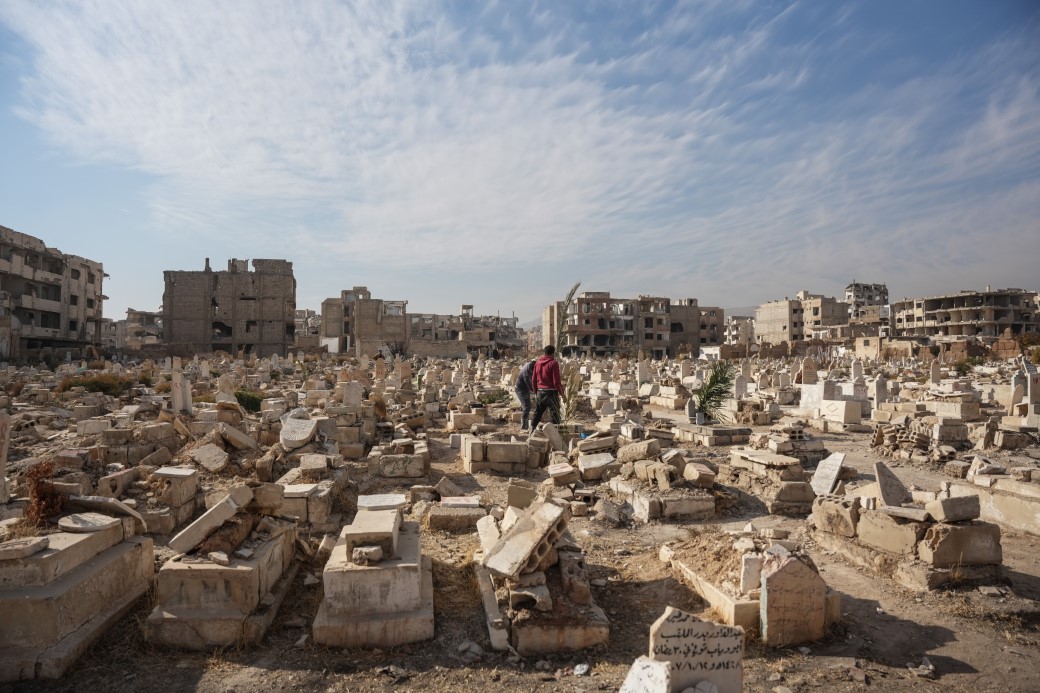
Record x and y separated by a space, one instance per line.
890 487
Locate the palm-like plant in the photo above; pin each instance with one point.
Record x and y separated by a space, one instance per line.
715 389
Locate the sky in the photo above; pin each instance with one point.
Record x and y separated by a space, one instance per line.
494 153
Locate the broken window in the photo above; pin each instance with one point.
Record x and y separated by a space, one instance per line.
221 330
73 325
74 300
251 326
74 273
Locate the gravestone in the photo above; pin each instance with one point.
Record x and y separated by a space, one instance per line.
739 387
827 472
935 375
809 369
793 605
698 651
892 490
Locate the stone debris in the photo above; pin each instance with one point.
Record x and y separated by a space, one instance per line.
241 491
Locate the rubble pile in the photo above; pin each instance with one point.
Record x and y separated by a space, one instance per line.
922 545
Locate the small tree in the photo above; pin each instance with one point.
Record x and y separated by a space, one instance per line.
715 389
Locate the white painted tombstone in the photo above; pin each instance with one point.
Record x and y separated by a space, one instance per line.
857 369
809 371
739 387
699 651
226 388
180 391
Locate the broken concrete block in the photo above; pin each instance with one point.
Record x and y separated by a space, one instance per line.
598 466
640 450
520 493
699 475
366 555
193 535
887 533
449 519
563 474
237 438
957 509
968 543
528 541
373 528
210 457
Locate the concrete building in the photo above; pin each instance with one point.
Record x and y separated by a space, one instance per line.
967 314
235 310
796 320
740 330
859 296
308 328
598 324
48 299
713 326
456 336
355 322
142 329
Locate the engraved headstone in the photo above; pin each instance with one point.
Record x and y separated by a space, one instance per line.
698 651
827 472
793 605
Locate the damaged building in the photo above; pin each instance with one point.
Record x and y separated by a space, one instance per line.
967 314
48 299
241 309
357 323
597 324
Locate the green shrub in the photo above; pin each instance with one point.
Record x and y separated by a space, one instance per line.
249 400
494 397
108 384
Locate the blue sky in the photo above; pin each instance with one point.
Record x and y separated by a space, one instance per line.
495 153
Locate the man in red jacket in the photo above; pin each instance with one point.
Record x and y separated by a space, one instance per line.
545 381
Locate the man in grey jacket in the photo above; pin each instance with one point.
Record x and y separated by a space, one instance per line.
522 390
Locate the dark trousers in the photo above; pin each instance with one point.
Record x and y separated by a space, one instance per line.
546 399
523 395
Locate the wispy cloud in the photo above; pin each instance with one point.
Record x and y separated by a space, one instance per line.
719 150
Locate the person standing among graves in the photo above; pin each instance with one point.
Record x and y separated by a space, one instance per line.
546 383
523 393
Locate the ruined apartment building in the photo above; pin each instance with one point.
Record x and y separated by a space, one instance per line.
967 314
355 322
457 336
143 329
48 299
862 297
237 310
799 319
713 326
600 325
740 330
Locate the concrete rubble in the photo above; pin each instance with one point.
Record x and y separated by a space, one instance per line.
242 476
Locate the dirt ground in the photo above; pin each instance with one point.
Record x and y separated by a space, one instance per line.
976 643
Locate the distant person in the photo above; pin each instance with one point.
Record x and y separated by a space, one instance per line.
523 390
545 380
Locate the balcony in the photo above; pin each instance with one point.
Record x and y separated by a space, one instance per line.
35 303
